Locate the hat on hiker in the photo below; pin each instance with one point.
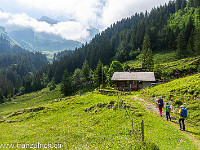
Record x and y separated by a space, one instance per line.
160 96
182 106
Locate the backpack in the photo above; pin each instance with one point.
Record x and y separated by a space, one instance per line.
160 102
167 108
184 112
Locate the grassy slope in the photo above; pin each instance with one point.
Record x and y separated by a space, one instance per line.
49 55
159 57
12 41
65 121
168 67
34 99
184 90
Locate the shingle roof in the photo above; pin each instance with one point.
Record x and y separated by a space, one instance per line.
133 76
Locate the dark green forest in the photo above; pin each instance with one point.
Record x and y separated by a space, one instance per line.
18 70
173 27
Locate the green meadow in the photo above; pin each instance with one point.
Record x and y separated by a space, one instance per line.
89 121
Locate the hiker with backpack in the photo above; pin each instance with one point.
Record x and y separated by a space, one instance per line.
168 109
160 105
183 115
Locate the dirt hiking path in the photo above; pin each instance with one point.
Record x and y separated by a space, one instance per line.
151 107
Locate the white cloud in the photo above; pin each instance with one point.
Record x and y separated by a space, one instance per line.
115 10
95 13
69 30
4 15
84 13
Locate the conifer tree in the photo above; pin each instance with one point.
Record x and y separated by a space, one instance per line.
146 55
149 60
190 44
181 46
197 3
189 28
178 4
99 76
66 84
78 77
183 4
197 42
86 71
191 3
1 97
115 66
52 84
170 40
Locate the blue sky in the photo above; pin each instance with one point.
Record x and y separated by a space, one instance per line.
76 16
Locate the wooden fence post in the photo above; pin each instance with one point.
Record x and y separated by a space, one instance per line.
142 127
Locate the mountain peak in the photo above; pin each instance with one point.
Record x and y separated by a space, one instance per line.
1 10
48 20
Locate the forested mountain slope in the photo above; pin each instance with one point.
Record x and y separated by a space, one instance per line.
173 27
156 31
18 69
4 34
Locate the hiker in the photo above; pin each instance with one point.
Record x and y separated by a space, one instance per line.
183 115
160 104
168 109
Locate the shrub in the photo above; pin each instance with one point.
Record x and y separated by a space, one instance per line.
178 102
146 146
